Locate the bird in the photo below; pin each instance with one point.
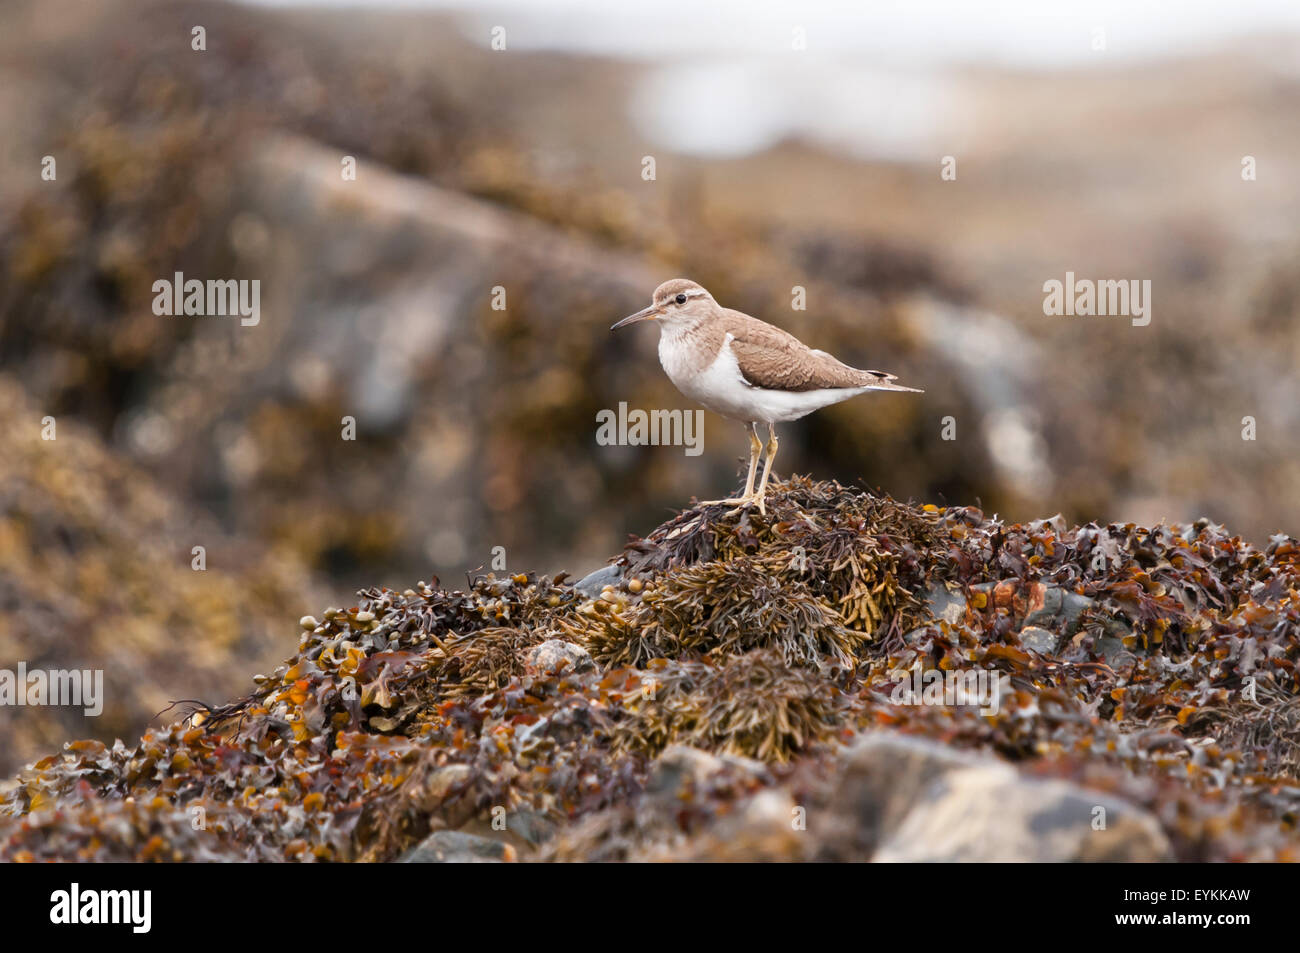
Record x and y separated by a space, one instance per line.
747 370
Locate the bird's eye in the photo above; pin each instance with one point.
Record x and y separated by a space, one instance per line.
680 299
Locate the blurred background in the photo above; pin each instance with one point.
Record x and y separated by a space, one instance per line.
795 144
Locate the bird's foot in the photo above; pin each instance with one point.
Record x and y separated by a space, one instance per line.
744 502
730 499
755 498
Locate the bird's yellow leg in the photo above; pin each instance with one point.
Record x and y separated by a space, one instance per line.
767 467
755 448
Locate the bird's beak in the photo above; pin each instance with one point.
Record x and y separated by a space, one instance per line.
642 315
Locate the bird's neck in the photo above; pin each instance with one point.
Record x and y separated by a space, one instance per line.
687 347
689 330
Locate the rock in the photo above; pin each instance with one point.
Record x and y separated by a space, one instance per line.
591 584
1054 610
533 827
454 847
946 604
523 830
1046 613
1062 611
880 779
1039 640
441 783
553 655
761 829
679 765
990 814
682 770
901 798
1110 649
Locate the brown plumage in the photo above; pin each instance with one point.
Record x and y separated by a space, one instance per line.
776 359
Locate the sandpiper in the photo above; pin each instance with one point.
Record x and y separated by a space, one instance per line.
747 370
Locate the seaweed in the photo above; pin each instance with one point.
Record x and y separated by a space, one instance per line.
1164 668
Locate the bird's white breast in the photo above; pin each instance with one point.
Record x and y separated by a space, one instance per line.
720 386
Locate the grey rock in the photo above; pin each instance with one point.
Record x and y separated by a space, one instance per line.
1072 608
533 827
441 783
455 847
681 769
591 584
943 603
1062 611
881 777
1111 649
1039 640
902 798
522 831
759 829
1049 614
989 814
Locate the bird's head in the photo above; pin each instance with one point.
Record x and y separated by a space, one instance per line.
679 301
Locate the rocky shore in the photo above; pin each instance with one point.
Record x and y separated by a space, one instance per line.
736 687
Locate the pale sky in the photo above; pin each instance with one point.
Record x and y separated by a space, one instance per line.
1011 32
724 77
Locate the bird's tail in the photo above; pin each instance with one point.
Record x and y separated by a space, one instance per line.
879 380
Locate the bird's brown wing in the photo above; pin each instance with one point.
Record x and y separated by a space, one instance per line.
776 360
